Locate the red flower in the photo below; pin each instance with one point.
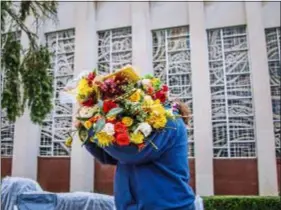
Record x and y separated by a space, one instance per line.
89 102
108 105
120 127
91 76
150 90
161 95
141 146
122 139
165 88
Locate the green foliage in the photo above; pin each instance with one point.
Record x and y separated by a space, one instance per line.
10 60
242 203
27 82
37 83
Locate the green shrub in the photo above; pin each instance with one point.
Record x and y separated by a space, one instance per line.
242 203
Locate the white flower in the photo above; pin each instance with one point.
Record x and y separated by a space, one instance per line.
86 112
145 128
109 129
146 83
147 98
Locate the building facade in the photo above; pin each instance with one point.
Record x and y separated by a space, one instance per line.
221 58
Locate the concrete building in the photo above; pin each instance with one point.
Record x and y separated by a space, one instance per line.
221 58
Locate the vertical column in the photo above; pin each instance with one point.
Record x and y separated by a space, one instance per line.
26 137
82 163
141 37
267 171
201 100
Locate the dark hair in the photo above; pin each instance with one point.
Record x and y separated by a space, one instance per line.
184 111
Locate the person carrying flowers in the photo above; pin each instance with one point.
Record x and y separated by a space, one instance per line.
127 121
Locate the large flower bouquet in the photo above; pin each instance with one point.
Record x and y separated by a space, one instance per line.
120 108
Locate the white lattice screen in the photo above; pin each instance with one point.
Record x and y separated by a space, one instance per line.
7 128
273 40
232 106
171 63
59 122
114 49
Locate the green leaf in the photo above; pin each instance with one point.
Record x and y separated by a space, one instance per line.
148 76
100 103
83 135
99 125
82 118
114 112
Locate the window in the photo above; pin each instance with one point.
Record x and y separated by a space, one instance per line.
171 63
7 128
274 53
114 49
232 107
59 122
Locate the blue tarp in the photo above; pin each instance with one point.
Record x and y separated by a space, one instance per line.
65 201
11 187
27 194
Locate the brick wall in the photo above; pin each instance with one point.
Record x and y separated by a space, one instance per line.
192 173
231 176
104 177
235 177
6 166
278 162
54 173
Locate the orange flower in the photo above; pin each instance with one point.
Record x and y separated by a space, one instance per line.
88 124
94 119
111 120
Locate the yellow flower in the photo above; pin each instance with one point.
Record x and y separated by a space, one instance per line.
104 139
160 122
127 121
88 124
68 141
147 103
157 101
158 109
155 81
84 89
136 96
157 121
137 138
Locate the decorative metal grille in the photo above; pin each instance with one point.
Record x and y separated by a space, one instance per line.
7 128
171 63
59 122
232 108
114 49
274 58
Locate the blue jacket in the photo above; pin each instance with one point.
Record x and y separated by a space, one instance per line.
151 179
